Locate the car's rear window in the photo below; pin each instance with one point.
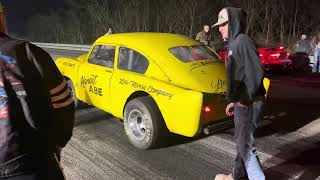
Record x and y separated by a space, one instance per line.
193 53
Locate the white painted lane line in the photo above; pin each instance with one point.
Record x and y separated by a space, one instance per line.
268 161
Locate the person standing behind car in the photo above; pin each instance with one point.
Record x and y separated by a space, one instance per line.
316 52
245 92
109 32
303 45
302 49
203 36
36 112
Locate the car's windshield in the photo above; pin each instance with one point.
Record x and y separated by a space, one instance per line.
193 53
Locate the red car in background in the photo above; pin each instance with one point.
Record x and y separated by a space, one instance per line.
273 58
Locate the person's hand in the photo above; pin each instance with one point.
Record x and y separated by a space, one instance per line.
229 109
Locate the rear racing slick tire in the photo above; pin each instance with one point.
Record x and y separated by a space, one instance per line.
143 123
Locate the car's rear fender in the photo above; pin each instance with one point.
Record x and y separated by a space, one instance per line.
180 108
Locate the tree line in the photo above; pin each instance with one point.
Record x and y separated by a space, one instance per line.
82 21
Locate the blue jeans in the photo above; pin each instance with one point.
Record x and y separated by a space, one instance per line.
316 60
247 164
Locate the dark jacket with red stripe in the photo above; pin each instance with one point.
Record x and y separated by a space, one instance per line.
36 107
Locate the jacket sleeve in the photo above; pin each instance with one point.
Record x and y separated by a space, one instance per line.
253 67
60 98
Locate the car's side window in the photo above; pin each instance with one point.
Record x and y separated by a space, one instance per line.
133 61
102 55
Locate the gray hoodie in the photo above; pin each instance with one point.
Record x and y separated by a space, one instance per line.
244 69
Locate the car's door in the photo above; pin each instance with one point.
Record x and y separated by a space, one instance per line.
95 75
127 78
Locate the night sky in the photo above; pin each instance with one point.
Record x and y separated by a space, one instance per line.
27 8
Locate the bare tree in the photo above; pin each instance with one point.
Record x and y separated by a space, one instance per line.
85 20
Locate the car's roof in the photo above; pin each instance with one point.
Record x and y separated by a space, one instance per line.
147 40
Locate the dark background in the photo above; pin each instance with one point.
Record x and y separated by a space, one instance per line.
82 21
19 11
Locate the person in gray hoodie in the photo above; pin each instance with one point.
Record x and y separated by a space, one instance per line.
245 92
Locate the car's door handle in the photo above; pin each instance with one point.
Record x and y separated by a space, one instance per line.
108 71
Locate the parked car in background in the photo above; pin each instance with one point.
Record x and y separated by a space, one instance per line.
273 58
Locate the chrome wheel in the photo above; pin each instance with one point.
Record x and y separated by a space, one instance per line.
137 124
73 93
71 90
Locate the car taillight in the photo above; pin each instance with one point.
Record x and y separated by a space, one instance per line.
272 54
275 55
207 109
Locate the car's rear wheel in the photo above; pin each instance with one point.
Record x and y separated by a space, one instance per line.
73 93
143 123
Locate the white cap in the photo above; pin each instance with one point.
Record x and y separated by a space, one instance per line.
222 17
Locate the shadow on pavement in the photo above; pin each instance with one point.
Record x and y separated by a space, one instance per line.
286 117
303 165
90 115
175 140
289 109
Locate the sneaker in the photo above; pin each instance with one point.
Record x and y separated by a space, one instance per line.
223 177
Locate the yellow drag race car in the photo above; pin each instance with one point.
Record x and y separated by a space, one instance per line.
155 82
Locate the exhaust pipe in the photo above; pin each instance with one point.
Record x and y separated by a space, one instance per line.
218 127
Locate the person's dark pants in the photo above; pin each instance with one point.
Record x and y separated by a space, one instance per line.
48 169
247 163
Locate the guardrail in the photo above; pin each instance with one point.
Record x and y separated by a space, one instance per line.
72 47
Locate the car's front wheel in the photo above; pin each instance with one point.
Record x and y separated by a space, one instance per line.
143 123
73 93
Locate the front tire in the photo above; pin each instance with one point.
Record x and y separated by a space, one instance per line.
143 123
73 93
